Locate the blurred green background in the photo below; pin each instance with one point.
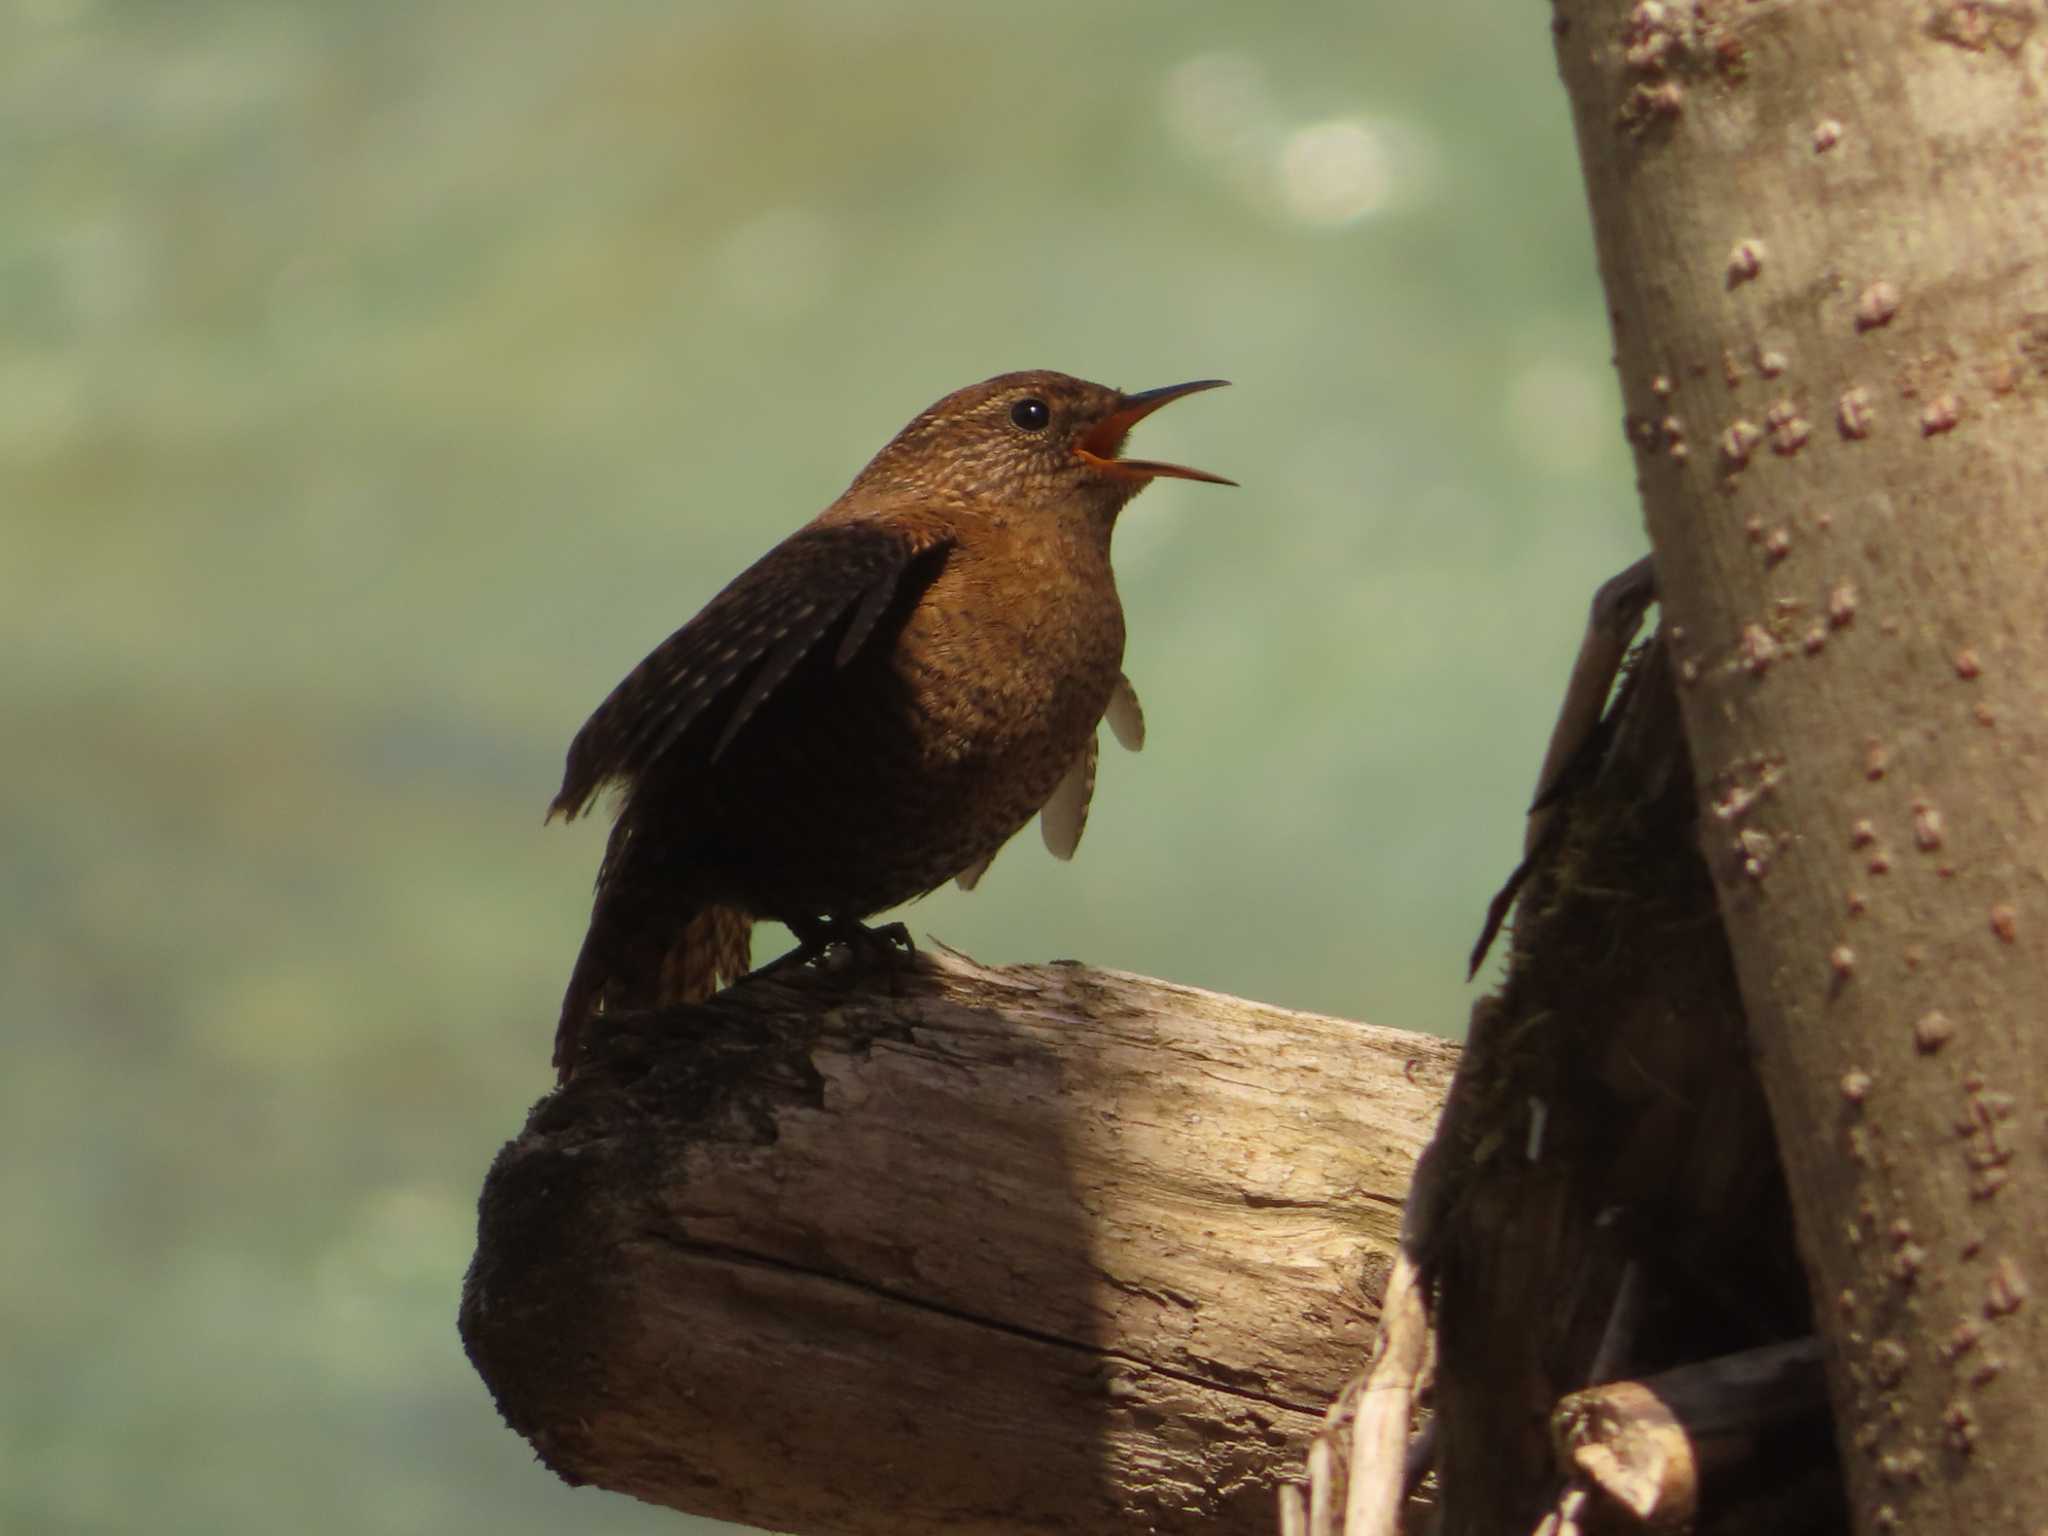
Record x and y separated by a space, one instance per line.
378 382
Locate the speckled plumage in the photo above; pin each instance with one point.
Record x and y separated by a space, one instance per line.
874 707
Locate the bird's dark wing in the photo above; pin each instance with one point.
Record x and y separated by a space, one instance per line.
825 581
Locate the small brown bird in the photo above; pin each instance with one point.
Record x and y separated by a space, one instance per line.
875 706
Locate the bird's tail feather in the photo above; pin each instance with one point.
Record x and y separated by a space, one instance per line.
646 950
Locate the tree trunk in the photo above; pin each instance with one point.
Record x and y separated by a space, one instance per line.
1823 230
1040 1249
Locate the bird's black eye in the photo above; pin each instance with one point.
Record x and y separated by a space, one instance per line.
1031 414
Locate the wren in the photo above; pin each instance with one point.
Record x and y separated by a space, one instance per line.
875 706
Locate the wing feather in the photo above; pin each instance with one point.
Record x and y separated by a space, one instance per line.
873 604
730 659
795 643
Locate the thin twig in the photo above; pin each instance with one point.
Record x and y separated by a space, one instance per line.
1379 1435
1563 1518
1293 1511
1322 1503
1572 755
1616 613
1420 1458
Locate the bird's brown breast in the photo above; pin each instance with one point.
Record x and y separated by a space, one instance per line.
861 788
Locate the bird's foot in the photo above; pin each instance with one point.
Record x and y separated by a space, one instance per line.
883 947
887 943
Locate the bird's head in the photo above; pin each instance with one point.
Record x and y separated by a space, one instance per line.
1036 441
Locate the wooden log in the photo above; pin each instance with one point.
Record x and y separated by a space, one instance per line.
1038 1249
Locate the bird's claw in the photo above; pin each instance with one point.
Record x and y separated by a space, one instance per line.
879 941
884 945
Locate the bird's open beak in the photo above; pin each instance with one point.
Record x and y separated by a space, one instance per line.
1099 444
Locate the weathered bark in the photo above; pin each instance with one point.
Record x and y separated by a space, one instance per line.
1823 230
1035 1249
1603 1198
